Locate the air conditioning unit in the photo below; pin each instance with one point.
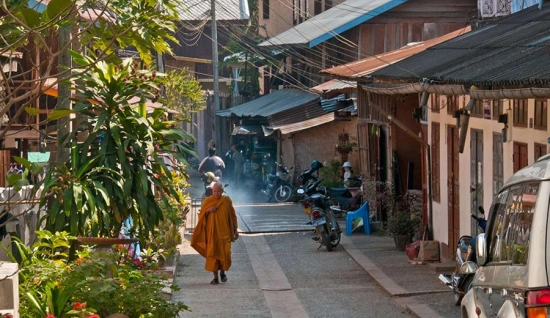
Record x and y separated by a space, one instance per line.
9 289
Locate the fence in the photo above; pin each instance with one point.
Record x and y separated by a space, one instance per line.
193 215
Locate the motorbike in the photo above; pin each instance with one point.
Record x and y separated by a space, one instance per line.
459 282
278 185
316 206
309 176
345 199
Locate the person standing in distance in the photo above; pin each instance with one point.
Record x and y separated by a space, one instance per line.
214 233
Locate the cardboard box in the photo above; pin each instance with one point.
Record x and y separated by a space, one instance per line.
429 251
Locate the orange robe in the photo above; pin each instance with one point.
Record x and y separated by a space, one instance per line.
215 232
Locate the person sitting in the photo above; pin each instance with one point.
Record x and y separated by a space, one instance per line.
347 174
212 163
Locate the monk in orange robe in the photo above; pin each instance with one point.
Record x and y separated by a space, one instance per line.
215 231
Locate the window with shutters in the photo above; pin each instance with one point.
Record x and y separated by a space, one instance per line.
541 114
328 4
452 104
520 156
498 108
540 150
265 9
436 166
477 111
520 112
317 7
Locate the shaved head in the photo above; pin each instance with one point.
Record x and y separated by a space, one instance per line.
217 189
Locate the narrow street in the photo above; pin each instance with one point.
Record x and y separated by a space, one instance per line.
278 271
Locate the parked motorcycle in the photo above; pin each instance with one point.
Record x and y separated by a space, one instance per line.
309 176
316 205
459 282
278 185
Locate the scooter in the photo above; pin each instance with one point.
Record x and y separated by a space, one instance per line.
459 282
278 185
316 205
309 176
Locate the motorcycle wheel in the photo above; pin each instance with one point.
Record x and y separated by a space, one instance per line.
283 193
326 241
468 285
336 235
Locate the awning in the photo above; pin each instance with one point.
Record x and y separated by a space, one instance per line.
400 89
302 125
247 130
336 86
287 105
50 88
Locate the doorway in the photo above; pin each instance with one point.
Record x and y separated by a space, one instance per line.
453 208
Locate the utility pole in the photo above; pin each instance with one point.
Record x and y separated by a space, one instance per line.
216 83
63 92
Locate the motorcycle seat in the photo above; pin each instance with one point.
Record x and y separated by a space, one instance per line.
340 192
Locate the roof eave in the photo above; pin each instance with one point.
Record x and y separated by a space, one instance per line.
365 17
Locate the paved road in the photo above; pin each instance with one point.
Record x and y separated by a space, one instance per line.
278 271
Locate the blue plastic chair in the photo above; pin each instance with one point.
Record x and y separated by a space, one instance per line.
362 212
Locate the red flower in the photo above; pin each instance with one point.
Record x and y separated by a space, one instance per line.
8 316
78 306
93 316
50 316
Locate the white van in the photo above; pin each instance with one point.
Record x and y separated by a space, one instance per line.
513 255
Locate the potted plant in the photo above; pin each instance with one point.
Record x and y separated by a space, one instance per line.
116 172
405 219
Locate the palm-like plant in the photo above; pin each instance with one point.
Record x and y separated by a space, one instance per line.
116 170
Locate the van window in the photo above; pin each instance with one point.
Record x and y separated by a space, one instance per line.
511 224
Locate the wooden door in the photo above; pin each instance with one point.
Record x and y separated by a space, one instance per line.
476 175
520 156
498 164
453 208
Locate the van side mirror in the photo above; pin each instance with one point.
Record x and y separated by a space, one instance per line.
481 249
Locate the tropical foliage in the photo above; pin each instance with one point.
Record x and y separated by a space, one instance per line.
116 170
99 283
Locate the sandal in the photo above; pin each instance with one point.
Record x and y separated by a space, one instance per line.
215 281
223 278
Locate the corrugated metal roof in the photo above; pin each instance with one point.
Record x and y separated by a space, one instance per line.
336 85
368 65
194 10
305 124
336 103
510 51
286 105
336 20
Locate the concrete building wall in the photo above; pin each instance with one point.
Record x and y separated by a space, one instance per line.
529 136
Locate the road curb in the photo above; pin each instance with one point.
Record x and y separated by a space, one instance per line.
384 281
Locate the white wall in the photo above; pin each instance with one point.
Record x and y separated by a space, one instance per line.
530 136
